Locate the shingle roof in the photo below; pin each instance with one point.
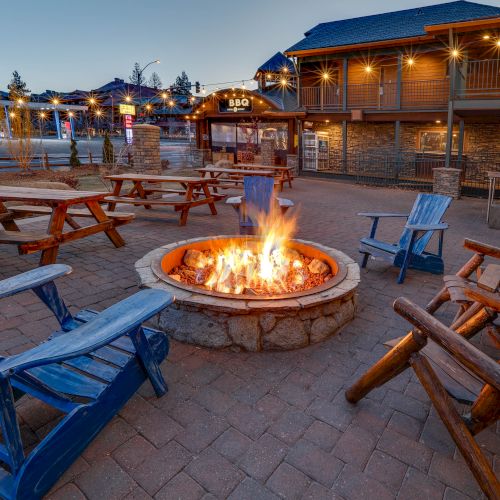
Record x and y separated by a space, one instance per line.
284 98
276 63
391 25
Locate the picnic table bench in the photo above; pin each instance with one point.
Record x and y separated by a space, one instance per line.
230 177
282 172
58 204
194 192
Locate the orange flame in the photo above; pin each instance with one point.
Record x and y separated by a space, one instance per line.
258 265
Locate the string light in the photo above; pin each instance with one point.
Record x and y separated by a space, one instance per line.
128 98
55 101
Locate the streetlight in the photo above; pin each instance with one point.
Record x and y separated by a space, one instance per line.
141 71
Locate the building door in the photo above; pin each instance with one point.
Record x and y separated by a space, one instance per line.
388 86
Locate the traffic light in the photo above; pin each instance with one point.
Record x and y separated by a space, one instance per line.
197 87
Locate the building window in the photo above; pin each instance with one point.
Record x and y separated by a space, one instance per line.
434 141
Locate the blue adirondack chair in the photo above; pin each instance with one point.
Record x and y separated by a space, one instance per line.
258 197
424 218
88 370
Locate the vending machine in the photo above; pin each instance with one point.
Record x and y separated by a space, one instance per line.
315 151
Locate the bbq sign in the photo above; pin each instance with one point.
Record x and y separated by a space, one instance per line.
235 105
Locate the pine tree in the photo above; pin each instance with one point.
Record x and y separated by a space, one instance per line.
17 87
182 84
108 153
155 81
74 161
136 77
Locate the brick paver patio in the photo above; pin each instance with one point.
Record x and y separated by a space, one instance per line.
264 425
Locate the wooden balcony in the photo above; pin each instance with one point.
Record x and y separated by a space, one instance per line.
424 94
479 80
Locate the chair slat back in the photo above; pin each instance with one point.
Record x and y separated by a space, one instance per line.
427 209
258 195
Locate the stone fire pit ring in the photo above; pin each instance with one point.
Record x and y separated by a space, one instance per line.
253 324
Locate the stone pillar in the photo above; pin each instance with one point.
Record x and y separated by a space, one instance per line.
201 157
293 161
267 150
146 149
447 182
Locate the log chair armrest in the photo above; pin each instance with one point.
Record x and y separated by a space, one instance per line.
120 319
32 279
488 299
482 248
377 215
427 227
463 351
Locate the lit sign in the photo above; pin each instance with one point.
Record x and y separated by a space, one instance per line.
127 109
127 121
235 105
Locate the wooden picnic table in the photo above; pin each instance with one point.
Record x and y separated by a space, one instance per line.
283 172
230 177
58 204
194 192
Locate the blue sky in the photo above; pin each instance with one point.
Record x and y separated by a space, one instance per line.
70 44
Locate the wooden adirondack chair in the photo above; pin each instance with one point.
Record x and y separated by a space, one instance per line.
258 197
87 370
424 218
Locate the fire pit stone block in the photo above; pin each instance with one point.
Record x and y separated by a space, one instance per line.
254 325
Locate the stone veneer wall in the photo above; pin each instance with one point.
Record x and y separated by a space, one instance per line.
447 181
146 149
481 144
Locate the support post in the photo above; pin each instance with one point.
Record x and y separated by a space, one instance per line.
452 75
7 122
344 84
72 127
397 146
398 78
58 124
460 144
344 146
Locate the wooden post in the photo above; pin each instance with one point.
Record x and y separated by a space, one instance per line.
398 84
469 449
452 74
344 146
460 143
344 83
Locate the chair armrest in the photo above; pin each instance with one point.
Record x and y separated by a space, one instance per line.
234 200
482 248
284 202
462 350
488 299
381 214
119 319
427 227
32 279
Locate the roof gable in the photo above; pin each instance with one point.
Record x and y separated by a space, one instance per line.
276 64
391 25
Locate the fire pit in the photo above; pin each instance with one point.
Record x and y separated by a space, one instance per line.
245 293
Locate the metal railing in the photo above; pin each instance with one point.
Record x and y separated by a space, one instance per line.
413 94
479 79
409 169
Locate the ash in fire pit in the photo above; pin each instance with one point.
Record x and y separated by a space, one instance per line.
250 267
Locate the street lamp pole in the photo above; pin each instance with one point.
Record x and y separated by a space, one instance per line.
141 71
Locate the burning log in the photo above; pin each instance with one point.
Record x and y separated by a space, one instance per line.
318 267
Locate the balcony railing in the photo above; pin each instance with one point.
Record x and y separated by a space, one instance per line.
479 80
425 94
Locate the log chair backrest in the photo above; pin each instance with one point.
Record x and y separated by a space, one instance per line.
427 209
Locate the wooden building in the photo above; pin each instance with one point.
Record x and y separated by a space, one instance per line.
232 122
400 87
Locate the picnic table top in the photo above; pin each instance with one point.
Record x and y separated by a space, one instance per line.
157 178
72 196
234 171
264 167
